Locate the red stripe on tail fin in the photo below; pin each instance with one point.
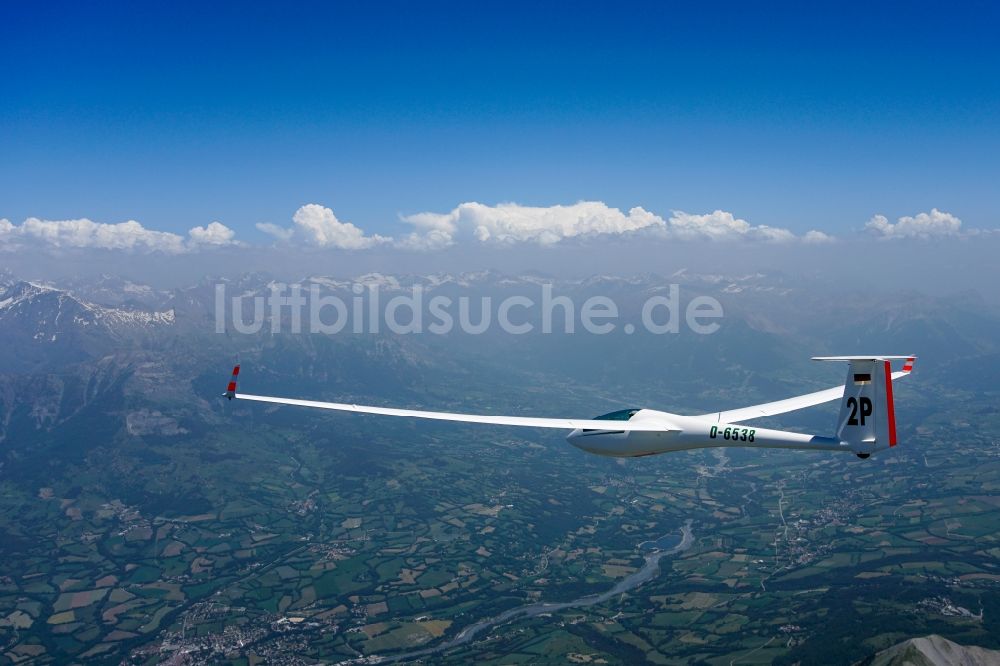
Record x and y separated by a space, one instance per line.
908 366
231 389
889 405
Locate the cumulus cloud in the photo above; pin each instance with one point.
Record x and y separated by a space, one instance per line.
434 231
215 233
322 227
317 225
925 225
722 225
511 223
83 233
717 225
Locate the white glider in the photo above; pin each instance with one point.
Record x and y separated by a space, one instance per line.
867 421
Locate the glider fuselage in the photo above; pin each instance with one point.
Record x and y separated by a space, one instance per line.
686 432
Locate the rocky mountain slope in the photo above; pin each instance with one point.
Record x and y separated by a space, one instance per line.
935 650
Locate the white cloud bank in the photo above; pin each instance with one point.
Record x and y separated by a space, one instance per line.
509 223
87 234
934 224
721 225
318 226
501 225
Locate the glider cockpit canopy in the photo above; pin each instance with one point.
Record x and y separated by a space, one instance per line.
620 415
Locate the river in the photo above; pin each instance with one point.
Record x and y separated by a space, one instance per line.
630 582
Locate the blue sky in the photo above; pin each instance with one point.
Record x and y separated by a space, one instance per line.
798 115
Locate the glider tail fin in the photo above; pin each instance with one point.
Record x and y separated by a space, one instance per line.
867 420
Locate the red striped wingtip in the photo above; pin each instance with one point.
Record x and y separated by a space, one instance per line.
231 388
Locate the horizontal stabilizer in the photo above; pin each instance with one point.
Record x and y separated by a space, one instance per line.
882 357
809 399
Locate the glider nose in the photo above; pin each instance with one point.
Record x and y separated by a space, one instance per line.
574 438
590 441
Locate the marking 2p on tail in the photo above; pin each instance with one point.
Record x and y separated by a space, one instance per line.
867 421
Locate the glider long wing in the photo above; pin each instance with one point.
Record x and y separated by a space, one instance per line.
524 421
800 401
